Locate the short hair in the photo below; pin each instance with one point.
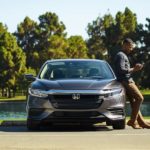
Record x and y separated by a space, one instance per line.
128 41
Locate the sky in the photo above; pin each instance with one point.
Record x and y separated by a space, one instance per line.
75 14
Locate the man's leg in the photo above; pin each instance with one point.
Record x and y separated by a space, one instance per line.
141 121
140 118
136 99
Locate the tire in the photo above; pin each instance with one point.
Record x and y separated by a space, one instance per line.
108 122
119 124
32 125
86 125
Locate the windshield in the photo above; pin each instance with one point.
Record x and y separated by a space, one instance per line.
76 70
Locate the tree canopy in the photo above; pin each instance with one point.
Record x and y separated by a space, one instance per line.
47 40
12 63
34 42
106 34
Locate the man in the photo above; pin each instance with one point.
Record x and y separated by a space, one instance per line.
123 73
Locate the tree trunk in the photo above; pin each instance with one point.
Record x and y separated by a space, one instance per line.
14 93
3 92
9 93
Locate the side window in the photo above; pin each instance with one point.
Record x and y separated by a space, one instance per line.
46 72
107 71
43 73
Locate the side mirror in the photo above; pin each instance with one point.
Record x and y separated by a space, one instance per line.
30 77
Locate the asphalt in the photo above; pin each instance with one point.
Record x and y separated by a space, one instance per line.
99 137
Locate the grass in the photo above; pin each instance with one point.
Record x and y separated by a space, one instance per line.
146 117
12 119
1 121
145 92
22 98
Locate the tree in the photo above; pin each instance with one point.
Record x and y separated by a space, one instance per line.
76 47
124 26
50 25
96 31
35 38
143 53
108 32
26 34
12 62
56 46
22 83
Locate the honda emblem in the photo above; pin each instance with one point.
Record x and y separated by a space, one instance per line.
76 96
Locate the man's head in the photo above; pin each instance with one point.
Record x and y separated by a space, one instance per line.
128 45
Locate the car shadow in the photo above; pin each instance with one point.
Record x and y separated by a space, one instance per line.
75 128
57 128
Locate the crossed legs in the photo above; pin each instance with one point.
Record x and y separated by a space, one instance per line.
135 98
140 119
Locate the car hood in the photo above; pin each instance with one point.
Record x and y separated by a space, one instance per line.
75 84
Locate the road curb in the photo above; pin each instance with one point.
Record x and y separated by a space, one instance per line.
13 123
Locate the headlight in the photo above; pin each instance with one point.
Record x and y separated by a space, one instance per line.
110 92
38 93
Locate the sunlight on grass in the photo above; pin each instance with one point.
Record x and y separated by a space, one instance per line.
13 98
146 117
145 92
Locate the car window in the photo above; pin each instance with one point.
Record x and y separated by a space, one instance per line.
76 70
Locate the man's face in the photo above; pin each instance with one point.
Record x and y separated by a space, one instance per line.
128 47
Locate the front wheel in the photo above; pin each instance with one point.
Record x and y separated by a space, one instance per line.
119 124
32 125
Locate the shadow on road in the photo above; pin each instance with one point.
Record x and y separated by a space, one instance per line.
57 128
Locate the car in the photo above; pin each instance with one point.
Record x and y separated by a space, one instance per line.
83 91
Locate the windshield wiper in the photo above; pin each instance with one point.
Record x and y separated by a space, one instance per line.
94 77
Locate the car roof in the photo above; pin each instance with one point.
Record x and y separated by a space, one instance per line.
53 60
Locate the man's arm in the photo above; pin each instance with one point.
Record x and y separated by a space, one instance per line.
136 68
120 63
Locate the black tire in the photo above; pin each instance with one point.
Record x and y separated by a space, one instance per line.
119 124
33 125
86 125
108 122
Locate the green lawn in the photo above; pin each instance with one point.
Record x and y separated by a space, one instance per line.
13 119
145 92
145 117
13 98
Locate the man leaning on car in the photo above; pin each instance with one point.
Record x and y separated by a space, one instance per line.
123 72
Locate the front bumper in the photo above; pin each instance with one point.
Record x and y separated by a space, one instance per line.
109 108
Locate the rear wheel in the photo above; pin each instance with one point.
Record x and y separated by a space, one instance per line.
32 125
119 124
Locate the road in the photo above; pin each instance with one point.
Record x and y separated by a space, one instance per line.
74 138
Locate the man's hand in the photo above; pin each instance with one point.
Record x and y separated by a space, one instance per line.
137 67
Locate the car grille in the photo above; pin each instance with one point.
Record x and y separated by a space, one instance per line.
67 102
70 114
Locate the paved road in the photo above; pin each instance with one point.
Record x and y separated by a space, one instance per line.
74 138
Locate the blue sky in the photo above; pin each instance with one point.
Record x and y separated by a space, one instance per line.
75 14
